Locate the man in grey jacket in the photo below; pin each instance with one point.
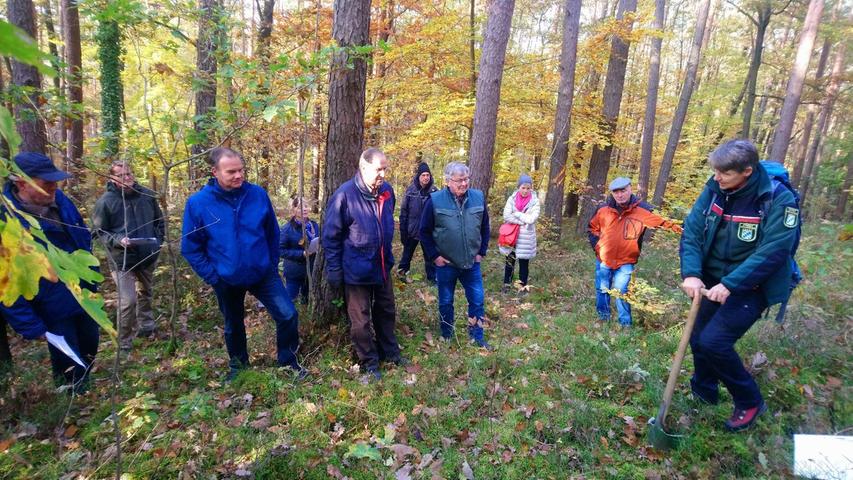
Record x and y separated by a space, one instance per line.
130 224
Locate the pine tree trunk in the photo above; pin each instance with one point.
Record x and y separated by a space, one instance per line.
651 104
761 23
495 39
823 121
841 205
27 118
808 123
205 80
562 118
788 114
386 25
614 82
683 102
344 140
74 78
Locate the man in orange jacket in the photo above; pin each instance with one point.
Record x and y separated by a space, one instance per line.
616 234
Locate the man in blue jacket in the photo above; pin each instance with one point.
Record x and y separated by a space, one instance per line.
54 309
737 242
231 240
455 236
357 233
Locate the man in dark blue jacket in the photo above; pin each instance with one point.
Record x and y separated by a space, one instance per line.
411 208
357 233
54 309
231 240
455 236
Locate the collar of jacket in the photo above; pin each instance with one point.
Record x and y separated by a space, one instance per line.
365 191
214 186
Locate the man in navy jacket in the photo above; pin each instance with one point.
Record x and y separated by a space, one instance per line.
357 233
54 309
230 239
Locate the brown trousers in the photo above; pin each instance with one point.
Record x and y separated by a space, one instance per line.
135 311
372 313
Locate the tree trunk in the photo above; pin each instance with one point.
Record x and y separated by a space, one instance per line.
4 145
683 102
27 118
74 78
562 118
386 25
761 23
110 51
841 205
53 40
808 123
344 140
823 121
614 81
651 103
472 58
205 80
495 38
795 83
317 123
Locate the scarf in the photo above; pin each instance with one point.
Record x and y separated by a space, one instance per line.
521 202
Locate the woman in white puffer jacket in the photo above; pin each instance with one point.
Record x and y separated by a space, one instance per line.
522 208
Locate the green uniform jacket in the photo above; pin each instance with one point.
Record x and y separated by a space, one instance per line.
757 245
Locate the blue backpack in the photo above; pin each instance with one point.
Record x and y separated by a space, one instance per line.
780 179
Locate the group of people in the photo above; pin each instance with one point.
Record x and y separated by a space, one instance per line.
736 241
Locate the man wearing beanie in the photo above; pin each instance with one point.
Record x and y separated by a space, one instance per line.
410 219
616 234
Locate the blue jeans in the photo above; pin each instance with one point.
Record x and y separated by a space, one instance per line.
270 291
472 281
612 279
717 329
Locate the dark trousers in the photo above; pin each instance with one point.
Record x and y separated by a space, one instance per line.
523 268
718 328
270 291
82 333
406 261
372 313
297 287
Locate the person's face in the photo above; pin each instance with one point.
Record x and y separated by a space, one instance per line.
122 177
459 184
230 173
622 195
373 173
732 179
424 178
31 194
525 189
301 214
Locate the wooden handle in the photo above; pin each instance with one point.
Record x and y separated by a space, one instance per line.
679 357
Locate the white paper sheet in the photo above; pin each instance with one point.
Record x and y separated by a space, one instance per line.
823 456
59 342
314 246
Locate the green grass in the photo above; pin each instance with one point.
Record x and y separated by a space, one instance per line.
562 397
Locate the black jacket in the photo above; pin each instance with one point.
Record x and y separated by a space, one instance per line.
134 214
412 207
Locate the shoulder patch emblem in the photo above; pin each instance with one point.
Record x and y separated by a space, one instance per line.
791 218
747 232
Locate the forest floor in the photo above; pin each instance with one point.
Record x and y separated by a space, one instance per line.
563 396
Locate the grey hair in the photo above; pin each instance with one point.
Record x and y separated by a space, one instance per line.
219 153
737 155
371 155
455 168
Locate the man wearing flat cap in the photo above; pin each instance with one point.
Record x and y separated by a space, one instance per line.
616 234
54 309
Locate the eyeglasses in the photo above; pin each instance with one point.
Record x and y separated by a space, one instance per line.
461 180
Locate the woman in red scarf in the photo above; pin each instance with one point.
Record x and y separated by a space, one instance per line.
522 208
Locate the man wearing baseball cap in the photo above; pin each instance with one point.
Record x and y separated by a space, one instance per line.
616 234
54 309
